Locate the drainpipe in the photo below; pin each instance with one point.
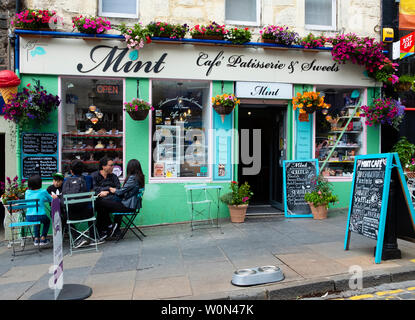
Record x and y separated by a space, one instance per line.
17 71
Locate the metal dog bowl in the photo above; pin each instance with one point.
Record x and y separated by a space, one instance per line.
258 275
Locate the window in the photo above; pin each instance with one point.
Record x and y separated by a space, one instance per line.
118 8
180 126
320 14
92 122
245 12
330 126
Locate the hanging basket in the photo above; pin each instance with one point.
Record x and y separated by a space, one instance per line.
223 110
138 115
303 117
310 109
403 86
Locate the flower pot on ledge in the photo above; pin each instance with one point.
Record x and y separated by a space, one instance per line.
238 212
138 115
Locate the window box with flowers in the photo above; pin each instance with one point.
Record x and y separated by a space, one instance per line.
37 20
138 109
212 31
136 36
167 30
224 104
278 35
239 36
237 201
311 41
91 25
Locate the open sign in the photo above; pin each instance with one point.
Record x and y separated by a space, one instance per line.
107 88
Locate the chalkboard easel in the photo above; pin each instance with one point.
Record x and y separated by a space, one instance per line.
298 177
369 200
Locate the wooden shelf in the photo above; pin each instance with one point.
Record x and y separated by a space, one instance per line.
90 150
80 135
90 162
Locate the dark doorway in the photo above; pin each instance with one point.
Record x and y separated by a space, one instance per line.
2 169
267 183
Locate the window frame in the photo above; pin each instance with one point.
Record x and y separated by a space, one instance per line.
333 26
209 177
256 23
116 14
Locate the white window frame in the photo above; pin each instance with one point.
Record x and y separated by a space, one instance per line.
247 23
116 14
333 27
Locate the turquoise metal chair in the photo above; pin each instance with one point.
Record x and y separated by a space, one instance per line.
127 218
21 228
87 198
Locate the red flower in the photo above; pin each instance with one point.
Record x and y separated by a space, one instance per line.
234 182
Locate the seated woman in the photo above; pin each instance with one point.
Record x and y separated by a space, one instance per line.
127 194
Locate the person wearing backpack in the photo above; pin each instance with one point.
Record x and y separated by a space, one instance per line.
78 183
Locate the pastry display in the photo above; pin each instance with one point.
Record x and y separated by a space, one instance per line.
99 145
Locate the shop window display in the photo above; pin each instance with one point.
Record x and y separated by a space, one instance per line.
92 122
180 123
329 127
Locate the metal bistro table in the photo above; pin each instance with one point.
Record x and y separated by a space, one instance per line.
198 196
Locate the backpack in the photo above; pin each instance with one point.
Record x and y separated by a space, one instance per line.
74 185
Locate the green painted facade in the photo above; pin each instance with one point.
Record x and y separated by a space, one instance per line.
166 203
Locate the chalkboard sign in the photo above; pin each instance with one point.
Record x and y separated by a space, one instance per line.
368 192
44 166
40 143
298 180
39 154
369 200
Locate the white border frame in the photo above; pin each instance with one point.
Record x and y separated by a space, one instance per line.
333 26
256 23
60 114
209 178
116 14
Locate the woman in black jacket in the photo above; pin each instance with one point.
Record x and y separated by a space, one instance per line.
127 194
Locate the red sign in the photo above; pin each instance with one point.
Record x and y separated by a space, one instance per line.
107 88
407 45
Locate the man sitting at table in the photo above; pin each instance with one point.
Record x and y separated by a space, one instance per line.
107 202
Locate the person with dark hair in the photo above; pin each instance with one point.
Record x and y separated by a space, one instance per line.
38 214
56 186
121 199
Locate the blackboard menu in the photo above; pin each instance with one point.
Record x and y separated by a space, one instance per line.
40 143
44 166
369 180
299 178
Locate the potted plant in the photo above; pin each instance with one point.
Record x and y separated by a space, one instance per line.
91 25
138 109
383 111
12 190
213 31
405 83
320 198
308 102
237 201
239 36
278 35
167 30
33 103
224 104
311 41
136 36
406 152
33 19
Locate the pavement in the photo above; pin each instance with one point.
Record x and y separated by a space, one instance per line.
173 262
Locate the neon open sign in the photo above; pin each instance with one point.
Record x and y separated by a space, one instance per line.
107 88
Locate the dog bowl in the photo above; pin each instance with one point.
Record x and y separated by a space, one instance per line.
257 275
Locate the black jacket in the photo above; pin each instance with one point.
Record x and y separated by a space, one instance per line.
99 183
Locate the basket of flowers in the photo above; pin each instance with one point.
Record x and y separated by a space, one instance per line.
212 31
278 35
167 30
384 111
224 104
91 25
33 19
308 102
138 109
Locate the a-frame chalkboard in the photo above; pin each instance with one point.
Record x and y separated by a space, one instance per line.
298 177
369 200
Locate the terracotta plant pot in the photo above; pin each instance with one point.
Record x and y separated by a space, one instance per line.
237 213
319 212
139 114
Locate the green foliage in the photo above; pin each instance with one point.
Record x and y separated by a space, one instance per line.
239 36
164 29
322 194
405 151
239 194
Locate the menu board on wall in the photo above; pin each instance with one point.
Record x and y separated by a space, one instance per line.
298 178
39 154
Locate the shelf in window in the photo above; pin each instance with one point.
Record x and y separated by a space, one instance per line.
90 162
90 150
339 131
80 135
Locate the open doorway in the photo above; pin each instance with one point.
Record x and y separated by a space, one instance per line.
267 183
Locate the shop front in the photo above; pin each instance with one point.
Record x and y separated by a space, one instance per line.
183 140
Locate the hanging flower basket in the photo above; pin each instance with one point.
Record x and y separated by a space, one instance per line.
224 104
307 103
384 111
138 109
303 117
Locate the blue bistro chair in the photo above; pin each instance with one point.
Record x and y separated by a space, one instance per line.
127 218
21 228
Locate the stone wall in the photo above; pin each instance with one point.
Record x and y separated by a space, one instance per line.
7 8
360 17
